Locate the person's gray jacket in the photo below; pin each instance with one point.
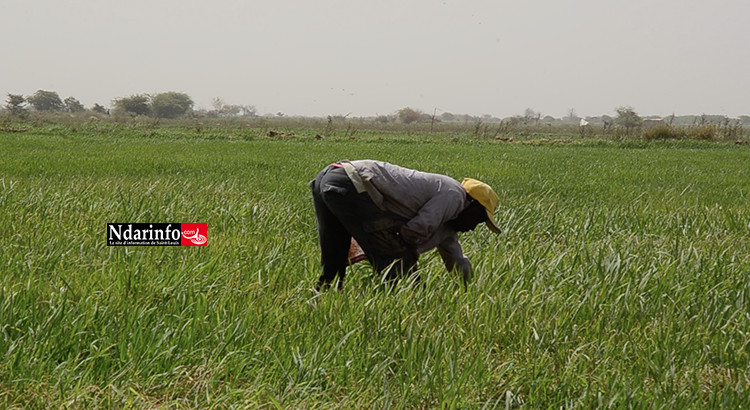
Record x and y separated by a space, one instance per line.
424 200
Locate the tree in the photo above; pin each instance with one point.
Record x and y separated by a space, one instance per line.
99 109
447 117
627 118
248 111
134 105
409 115
218 104
15 104
171 104
46 101
73 105
229 110
222 109
572 115
530 116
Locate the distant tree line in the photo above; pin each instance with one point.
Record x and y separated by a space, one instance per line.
163 105
41 100
179 105
625 118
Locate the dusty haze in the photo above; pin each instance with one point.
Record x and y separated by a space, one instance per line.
368 58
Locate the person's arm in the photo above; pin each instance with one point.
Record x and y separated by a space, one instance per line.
454 259
435 212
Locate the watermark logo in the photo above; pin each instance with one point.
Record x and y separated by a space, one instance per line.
157 234
193 234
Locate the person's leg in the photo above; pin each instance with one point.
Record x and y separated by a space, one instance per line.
333 237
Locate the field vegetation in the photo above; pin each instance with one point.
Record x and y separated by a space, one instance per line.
621 278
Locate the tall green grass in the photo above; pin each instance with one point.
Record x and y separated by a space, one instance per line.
620 280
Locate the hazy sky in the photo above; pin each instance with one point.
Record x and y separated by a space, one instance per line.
375 57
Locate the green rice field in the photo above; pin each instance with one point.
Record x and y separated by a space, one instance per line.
621 278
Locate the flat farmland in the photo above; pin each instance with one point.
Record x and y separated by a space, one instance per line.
621 278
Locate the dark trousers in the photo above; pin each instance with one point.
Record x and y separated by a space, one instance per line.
341 213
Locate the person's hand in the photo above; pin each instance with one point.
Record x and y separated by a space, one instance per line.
467 276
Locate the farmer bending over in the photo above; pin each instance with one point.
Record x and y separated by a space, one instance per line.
395 214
